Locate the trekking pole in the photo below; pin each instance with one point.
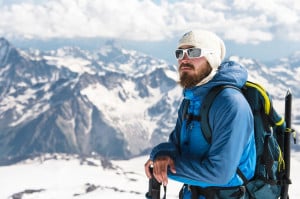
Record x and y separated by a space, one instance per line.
287 145
153 187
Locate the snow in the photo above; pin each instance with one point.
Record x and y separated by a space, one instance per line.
116 110
172 75
78 65
20 104
69 177
64 178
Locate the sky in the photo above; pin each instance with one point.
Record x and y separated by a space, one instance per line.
253 28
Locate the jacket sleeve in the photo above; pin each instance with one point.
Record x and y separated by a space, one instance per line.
172 147
231 121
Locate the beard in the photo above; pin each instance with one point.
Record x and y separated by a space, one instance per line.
188 80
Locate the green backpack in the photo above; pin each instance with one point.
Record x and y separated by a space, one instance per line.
270 173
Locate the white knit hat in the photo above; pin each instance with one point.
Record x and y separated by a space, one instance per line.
208 40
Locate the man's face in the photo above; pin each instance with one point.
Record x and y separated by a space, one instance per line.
192 70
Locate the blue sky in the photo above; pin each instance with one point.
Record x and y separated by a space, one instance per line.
264 30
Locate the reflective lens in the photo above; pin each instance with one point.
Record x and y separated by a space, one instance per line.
191 52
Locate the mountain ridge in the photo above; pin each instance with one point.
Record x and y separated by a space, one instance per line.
114 102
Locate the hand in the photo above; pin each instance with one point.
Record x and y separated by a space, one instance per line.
147 168
160 168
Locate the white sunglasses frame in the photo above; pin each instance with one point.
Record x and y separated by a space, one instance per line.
204 51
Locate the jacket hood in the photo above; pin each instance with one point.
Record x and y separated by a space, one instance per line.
229 73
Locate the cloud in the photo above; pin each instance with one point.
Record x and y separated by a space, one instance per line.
242 21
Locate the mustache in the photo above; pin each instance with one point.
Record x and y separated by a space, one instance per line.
186 65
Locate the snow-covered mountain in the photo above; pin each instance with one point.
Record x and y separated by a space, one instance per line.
113 102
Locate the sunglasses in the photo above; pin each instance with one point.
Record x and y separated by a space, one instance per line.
192 52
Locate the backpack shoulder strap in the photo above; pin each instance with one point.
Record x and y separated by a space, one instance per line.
204 109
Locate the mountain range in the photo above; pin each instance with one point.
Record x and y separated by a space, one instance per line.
114 102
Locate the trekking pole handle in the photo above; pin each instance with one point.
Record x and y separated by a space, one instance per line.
153 187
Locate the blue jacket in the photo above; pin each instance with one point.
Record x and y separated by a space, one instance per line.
199 163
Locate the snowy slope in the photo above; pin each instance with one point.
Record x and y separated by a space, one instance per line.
68 177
